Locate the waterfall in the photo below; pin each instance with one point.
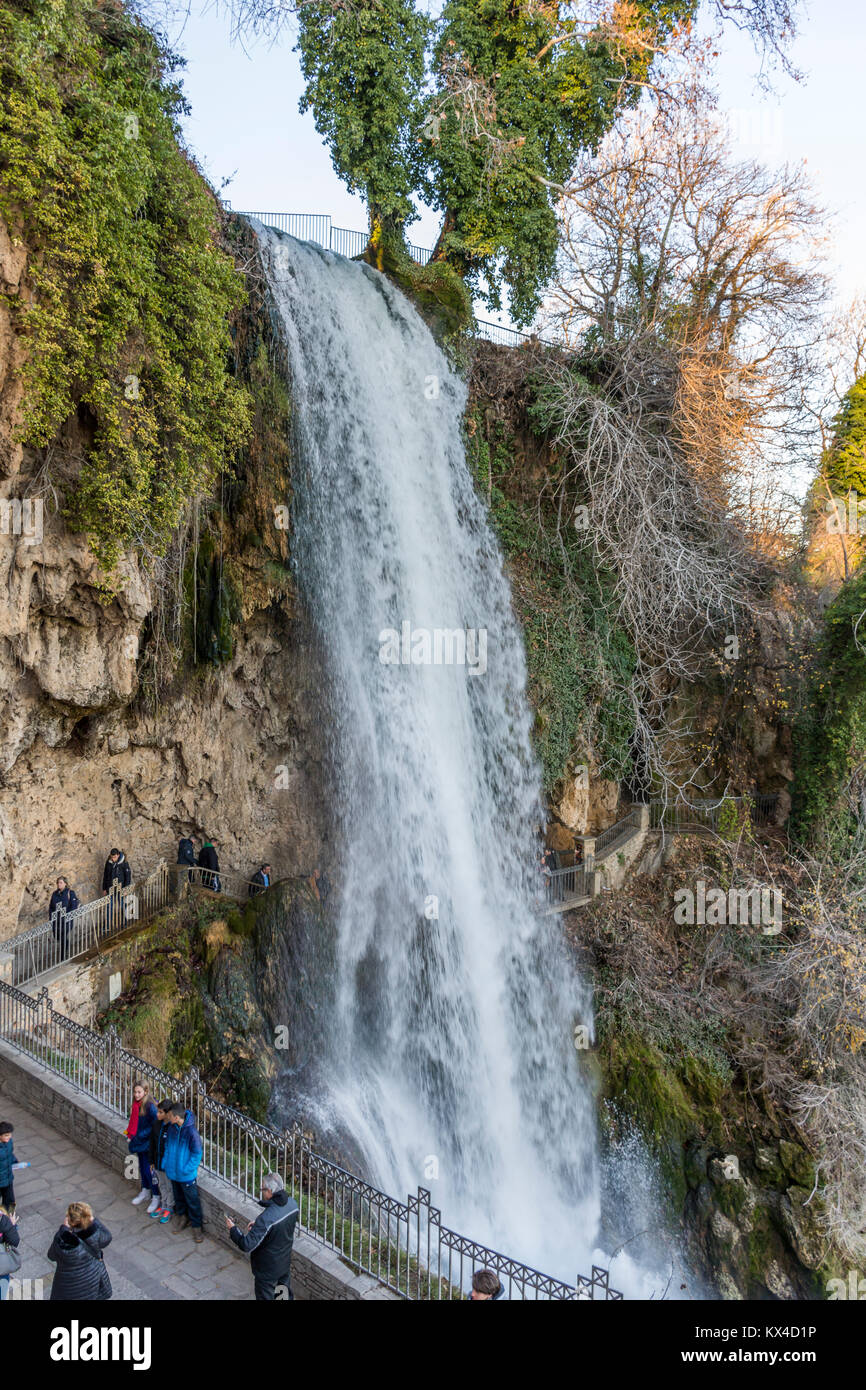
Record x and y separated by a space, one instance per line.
448 1042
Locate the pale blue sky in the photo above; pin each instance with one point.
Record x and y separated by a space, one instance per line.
245 118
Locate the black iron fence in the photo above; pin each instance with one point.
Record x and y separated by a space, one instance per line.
403 1245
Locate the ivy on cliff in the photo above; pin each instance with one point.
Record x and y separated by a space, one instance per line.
579 660
128 322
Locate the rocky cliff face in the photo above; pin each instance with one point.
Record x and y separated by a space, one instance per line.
101 742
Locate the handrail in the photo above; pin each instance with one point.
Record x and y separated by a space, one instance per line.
682 817
42 947
317 227
403 1245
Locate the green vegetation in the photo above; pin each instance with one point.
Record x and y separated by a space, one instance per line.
480 113
364 68
128 327
830 736
579 660
844 463
213 604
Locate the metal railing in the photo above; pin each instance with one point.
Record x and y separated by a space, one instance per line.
571 882
70 935
403 1245
317 227
704 814
609 840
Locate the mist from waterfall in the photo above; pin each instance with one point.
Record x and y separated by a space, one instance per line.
448 1036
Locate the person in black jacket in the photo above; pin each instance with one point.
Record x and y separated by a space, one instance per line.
9 1239
207 859
117 872
268 1240
260 881
185 862
64 900
77 1251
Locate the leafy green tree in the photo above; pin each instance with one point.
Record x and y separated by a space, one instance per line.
844 464
522 88
364 65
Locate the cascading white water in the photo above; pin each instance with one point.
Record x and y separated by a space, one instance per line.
449 1043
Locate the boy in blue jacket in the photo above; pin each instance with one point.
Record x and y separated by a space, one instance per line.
8 1162
181 1157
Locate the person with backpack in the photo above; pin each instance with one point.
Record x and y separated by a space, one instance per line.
181 1157
138 1132
207 860
159 1130
268 1240
10 1260
77 1251
260 881
64 901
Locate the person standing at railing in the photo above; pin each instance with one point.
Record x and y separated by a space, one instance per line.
138 1132
116 876
64 901
207 860
185 861
180 1161
156 1149
260 881
268 1240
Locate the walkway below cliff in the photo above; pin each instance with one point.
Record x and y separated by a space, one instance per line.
145 1260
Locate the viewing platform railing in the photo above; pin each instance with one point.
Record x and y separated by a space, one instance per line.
72 935
403 1245
317 227
705 814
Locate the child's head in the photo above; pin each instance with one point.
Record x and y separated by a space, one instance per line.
5 1131
163 1108
79 1214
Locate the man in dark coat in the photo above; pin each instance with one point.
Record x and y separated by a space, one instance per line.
77 1251
117 872
268 1240
185 862
260 881
64 900
116 877
207 859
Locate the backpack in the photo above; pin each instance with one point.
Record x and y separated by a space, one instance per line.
186 852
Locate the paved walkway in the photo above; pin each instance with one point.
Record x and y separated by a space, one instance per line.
145 1260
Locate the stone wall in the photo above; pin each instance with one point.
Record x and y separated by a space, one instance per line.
317 1272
